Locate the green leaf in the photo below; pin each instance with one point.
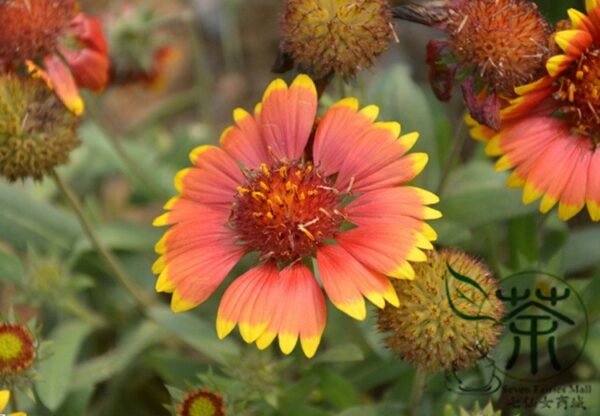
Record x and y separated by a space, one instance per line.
56 370
383 409
100 157
76 403
477 195
336 389
104 367
122 236
582 250
11 268
196 333
341 353
26 221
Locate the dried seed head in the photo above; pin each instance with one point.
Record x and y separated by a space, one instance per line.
335 36
37 132
426 329
505 42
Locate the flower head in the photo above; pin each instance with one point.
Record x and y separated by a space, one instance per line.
290 189
201 403
56 43
32 28
335 36
426 329
4 398
492 47
37 132
17 350
550 134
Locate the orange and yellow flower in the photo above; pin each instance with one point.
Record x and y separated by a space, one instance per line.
301 194
550 133
4 398
57 43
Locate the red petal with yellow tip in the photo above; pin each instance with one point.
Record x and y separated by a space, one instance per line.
381 247
244 141
341 125
249 302
63 83
346 281
287 116
300 312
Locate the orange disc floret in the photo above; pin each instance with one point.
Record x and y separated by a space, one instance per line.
17 349
30 29
201 403
335 36
286 211
505 42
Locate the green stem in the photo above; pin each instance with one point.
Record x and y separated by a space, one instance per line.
458 143
14 402
118 271
417 391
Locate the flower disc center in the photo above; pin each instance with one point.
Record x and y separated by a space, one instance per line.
286 210
579 92
10 346
504 41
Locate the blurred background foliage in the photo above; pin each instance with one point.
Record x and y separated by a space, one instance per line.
106 356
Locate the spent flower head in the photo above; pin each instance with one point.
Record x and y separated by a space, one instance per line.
37 132
426 328
492 46
324 37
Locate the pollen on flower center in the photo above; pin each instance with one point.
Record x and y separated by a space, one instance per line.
579 92
285 211
10 346
30 29
505 41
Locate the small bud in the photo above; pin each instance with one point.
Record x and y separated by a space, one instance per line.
37 132
430 328
342 36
